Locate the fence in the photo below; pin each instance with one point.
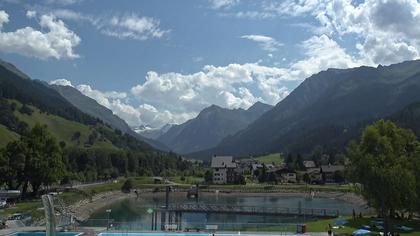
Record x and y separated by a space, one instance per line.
201 226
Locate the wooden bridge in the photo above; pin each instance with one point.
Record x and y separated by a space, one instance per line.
250 210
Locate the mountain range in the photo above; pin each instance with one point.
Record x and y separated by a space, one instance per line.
80 123
209 127
151 132
328 109
93 108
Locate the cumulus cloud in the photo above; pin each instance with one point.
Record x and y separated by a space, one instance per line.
238 85
58 42
62 82
115 101
220 4
31 14
4 18
386 31
267 43
175 98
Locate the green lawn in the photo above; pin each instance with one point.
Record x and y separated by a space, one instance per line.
21 207
321 225
186 179
347 229
275 158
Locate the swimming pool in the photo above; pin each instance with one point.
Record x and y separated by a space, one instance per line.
43 234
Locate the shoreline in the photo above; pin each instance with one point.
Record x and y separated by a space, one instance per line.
82 210
85 208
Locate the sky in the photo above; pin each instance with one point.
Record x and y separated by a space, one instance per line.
162 61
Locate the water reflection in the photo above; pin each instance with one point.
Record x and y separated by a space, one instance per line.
133 211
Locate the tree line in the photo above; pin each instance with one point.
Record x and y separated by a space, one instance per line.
36 160
386 164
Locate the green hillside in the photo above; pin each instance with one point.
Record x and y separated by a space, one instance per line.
275 158
62 129
6 136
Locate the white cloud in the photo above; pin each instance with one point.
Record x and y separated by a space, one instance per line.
115 101
251 14
4 18
31 14
267 43
131 27
220 4
386 31
175 98
321 53
67 14
58 42
128 26
62 82
63 2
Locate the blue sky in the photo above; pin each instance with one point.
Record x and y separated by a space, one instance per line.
157 62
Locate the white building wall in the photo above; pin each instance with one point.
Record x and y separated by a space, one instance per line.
220 176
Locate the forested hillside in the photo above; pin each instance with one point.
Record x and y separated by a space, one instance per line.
327 109
37 125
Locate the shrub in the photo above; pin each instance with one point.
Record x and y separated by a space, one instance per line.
127 186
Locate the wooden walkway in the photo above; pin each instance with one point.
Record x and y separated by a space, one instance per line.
250 210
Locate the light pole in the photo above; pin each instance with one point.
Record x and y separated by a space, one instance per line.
109 214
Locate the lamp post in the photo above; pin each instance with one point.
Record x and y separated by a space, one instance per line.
109 214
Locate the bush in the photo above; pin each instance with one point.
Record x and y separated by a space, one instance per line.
25 110
208 176
127 186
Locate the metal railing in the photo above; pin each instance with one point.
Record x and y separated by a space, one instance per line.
218 208
121 226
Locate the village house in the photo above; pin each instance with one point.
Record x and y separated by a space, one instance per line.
309 164
223 169
329 172
314 175
257 167
286 176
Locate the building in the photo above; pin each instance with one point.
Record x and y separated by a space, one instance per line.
309 164
223 169
255 169
328 172
286 176
312 175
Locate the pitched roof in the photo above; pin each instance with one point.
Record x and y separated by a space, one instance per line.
332 168
222 162
309 164
256 166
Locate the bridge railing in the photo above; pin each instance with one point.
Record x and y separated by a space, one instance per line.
191 226
253 209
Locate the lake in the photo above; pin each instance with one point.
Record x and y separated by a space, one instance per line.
132 213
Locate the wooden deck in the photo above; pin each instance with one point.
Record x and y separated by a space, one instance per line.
250 210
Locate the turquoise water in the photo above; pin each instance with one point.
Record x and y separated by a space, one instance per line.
131 214
43 234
